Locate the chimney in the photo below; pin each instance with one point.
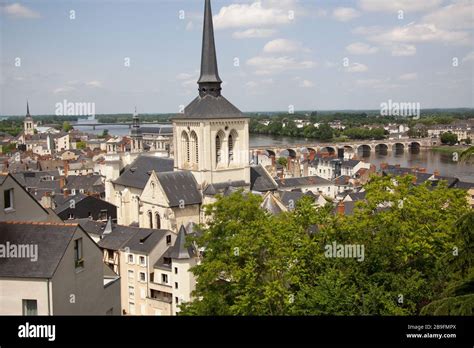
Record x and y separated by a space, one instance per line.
340 208
61 182
47 201
383 166
66 168
436 173
66 192
422 170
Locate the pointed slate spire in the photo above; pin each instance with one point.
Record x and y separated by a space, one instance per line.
179 250
108 227
27 110
209 81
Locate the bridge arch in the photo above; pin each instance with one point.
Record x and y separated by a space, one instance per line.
398 147
288 153
269 153
328 149
381 148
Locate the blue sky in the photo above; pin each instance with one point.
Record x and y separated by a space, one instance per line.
315 55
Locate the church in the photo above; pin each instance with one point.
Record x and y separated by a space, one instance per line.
210 156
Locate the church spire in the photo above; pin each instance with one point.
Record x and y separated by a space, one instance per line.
27 109
209 82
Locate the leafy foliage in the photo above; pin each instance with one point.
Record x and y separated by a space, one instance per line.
260 264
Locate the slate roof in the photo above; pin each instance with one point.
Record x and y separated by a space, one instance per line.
161 130
260 179
90 226
272 205
62 201
464 185
89 183
210 107
213 189
292 196
118 237
145 240
52 241
351 163
179 250
357 196
302 181
451 181
137 173
180 186
342 180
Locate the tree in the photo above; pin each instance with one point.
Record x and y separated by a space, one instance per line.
466 154
449 138
256 263
67 126
282 161
80 145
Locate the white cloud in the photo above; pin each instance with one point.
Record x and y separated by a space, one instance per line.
408 77
253 33
64 90
250 15
458 15
359 48
402 50
345 14
396 5
469 57
271 65
283 46
412 33
306 84
94 83
377 83
356 68
184 76
17 10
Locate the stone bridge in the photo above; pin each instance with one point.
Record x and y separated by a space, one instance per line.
298 150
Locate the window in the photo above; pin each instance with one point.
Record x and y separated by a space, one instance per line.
185 146
142 277
158 220
142 260
131 275
103 214
78 257
231 145
168 239
176 270
218 148
30 307
194 147
175 285
130 258
131 292
164 278
150 219
176 300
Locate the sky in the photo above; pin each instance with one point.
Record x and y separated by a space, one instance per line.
273 55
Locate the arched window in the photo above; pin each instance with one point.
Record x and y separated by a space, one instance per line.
150 219
194 147
158 220
185 146
219 138
231 145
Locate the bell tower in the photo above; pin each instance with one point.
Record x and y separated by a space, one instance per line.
211 136
136 134
28 124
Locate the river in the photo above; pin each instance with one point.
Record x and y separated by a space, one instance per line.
429 159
